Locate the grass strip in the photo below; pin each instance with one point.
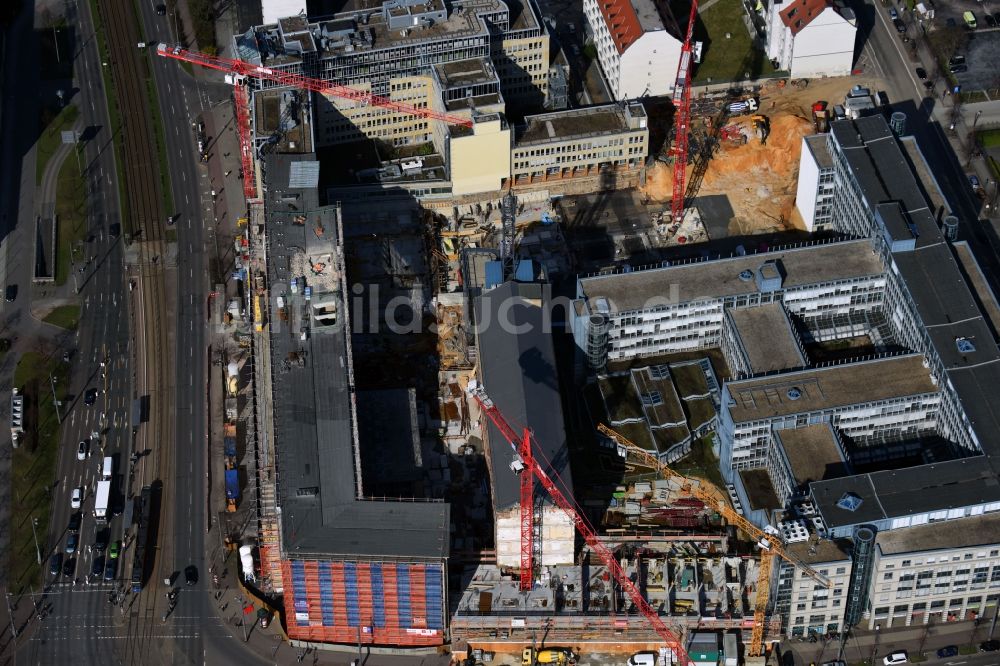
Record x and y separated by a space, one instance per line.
51 139
71 218
732 58
33 467
64 316
114 117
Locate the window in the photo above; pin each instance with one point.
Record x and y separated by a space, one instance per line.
887 576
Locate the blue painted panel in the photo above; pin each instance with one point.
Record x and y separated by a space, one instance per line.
351 585
435 593
326 593
403 593
299 590
378 596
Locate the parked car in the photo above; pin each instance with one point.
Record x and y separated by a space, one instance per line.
989 646
951 23
11 293
55 564
90 397
97 568
893 14
76 498
81 450
921 73
72 541
958 69
948 651
101 540
974 181
990 21
116 548
900 26
69 567
191 575
110 569
74 522
894 659
996 17
161 10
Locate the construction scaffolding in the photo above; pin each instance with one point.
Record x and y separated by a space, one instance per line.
259 428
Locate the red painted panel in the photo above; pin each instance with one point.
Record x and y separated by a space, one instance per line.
418 596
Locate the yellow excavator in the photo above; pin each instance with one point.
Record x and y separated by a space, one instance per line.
770 543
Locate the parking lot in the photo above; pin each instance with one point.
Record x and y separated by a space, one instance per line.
981 57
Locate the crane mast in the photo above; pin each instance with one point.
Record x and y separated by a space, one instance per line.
533 469
682 118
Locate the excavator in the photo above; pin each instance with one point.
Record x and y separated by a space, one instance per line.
768 540
761 126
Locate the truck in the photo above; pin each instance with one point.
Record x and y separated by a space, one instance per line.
743 106
101 499
232 489
821 117
561 656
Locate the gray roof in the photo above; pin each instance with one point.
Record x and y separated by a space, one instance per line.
978 531
828 387
801 266
768 338
906 492
311 402
948 310
519 373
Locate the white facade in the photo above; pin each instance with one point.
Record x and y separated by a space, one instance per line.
647 67
950 583
272 10
640 62
822 46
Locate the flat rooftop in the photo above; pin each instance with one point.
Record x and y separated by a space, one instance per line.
820 551
816 143
361 27
977 280
829 387
813 453
648 15
315 447
710 280
465 72
519 373
565 125
911 491
768 338
943 535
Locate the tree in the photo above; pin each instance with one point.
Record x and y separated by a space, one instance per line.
949 40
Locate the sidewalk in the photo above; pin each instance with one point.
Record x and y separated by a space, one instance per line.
916 639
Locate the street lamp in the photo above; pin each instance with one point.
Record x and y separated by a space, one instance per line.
38 551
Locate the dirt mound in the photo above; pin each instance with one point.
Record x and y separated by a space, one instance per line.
759 180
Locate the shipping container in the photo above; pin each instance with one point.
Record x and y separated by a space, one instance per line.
232 484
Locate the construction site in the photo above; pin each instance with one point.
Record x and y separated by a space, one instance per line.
569 525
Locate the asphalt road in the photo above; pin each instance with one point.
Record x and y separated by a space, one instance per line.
197 630
80 622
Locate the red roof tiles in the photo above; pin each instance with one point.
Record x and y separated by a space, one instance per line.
622 22
799 13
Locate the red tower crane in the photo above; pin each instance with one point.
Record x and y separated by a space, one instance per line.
682 118
240 71
530 468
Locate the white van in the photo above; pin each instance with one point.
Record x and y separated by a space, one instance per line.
107 469
643 659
